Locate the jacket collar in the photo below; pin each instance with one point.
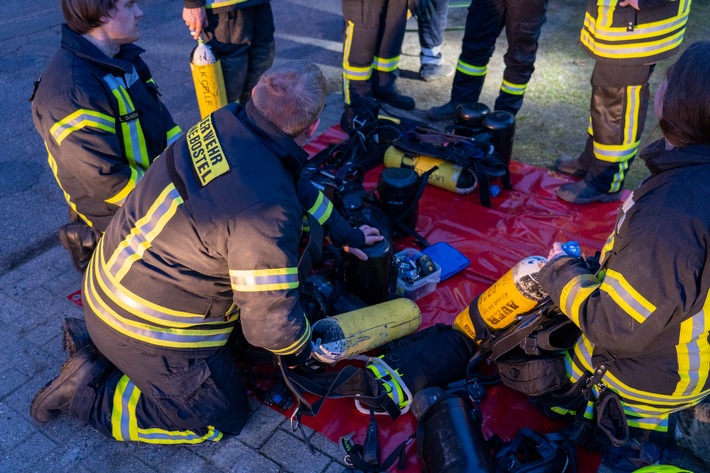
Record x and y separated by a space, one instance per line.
292 156
121 63
658 159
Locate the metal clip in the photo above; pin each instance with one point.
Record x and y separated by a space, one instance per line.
295 422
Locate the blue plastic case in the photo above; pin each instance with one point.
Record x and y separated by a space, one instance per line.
449 258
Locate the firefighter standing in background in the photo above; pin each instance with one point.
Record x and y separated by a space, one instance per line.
208 239
626 40
97 109
644 315
241 34
374 31
522 20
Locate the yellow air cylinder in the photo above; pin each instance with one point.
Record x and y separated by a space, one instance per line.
449 176
208 79
515 293
352 333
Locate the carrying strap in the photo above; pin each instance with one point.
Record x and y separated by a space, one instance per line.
313 251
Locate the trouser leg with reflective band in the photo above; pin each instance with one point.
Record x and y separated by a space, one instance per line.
243 40
374 31
617 114
163 396
523 23
431 33
484 22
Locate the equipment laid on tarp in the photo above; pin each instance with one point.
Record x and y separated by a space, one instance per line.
522 222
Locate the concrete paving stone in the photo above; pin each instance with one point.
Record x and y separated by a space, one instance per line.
262 424
27 454
16 428
231 455
337 468
13 314
116 458
281 447
35 273
169 459
10 379
327 446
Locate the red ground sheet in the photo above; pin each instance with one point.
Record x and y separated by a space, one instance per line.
522 222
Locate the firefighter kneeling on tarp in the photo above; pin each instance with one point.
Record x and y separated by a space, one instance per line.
208 239
644 353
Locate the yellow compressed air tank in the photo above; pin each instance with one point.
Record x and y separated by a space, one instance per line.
208 79
361 330
516 292
449 176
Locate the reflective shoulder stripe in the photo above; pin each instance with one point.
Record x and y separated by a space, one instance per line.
81 119
626 297
146 229
264 279
133 137
53 166
120 197
173 134
322 208
124 422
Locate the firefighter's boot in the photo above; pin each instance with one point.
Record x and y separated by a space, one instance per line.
79 371
75 335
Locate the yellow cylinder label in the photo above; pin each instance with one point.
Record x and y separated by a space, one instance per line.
502 302
463 324
209 87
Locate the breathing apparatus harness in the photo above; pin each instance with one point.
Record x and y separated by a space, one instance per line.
474 153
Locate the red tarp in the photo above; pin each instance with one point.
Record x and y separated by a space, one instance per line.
522 222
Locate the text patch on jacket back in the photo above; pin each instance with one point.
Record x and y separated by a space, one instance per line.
208 159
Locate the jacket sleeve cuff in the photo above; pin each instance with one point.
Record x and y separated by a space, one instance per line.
194 3
355 239
298 358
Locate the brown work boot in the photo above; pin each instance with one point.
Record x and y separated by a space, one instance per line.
56 395
570 165
75 336
581 193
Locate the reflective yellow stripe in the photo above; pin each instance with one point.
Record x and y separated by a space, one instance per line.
121 196
53 166
631 51
298 345
615 153
146 229
321 209
133 137
219 4
80 119
693 352
259 280
513 89
385 64
626 297
173 134
124 423
470 69
574 293
159 336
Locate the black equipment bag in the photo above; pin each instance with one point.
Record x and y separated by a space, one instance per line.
532 452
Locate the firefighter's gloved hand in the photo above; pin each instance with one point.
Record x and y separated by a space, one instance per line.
371 234
422 9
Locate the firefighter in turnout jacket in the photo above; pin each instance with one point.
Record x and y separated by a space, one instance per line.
208 240
374 31
626 39
98 111
522 20
644 315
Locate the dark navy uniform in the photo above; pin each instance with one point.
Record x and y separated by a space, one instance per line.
645 313
208 240
626 44
522 20
102 123
374 31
